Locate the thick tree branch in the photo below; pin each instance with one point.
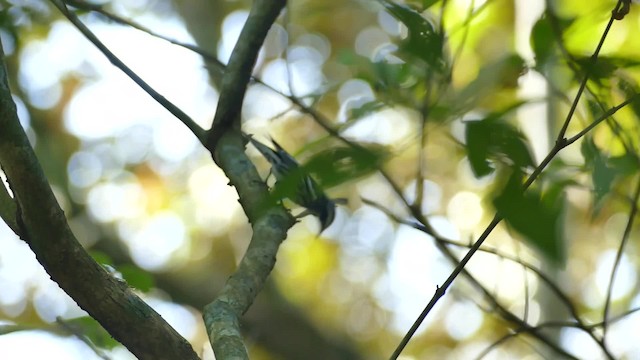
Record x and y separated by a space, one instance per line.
196 285
227 149
42 224
226 145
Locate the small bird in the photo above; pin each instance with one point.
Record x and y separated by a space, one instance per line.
307 192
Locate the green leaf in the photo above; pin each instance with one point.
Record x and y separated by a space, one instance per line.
538 219
605 67
101 258
428 3
136 277
542 41
366 109
348 57
133 275
494 139
337 165
478 144
630 88
500 74
602 176
90 328
625 165
389 77
422 4
424 41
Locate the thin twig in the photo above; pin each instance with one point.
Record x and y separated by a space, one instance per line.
555 324
325 123
605 116
489 250
583 84
616 264
211 60
173 109
573 65
560 144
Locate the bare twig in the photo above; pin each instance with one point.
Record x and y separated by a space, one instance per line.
583 84
492 299
555 324
616 264
173 109
573 65
560 144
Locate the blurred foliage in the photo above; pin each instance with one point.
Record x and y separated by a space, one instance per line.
423 40
338 164
493 138
539 219
439 106
92 330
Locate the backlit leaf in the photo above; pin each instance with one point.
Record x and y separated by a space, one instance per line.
424 41
494 140
540 220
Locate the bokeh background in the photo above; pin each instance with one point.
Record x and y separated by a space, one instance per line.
147 201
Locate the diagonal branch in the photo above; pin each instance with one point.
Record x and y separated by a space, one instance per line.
442 242
42 224
211 59
583 84
560 144
173 109
623 243
221 316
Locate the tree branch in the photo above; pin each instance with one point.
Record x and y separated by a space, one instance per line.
173 109
270 225
42 224
616 264
241 63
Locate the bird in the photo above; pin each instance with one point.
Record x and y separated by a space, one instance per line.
306 192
